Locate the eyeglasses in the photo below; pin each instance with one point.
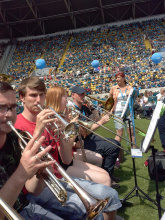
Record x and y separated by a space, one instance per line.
4 108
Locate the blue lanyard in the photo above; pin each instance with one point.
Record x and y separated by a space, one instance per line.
83 112
122 93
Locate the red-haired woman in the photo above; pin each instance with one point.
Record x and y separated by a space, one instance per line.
120 93
57 99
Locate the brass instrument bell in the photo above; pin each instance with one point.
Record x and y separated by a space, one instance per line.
108 104
6 78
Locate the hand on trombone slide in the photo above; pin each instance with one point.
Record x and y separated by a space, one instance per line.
104 119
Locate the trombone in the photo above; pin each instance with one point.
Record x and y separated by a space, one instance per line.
88 125
108 104
8 211
93 205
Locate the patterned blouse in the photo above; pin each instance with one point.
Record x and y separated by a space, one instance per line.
10 156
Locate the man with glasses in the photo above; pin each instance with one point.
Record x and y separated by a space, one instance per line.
18 169
4 109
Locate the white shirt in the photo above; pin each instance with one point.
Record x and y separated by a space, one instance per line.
121 101
159 96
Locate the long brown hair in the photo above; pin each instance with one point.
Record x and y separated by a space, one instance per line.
53 97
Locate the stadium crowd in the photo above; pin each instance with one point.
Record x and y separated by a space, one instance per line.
116 47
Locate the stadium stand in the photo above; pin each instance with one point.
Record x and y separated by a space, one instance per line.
116 47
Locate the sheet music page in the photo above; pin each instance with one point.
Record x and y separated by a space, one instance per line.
152 127
126 105
136 153
163 217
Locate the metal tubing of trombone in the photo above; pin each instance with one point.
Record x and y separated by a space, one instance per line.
8 211
116 133
114 116
104 138
71 107
93 205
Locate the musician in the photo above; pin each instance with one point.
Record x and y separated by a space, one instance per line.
120 93
17 170
32 91
92 142
57 99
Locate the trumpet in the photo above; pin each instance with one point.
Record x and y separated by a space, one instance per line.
8 211
50 180
70 130
79 139
93 205
39 106
82 148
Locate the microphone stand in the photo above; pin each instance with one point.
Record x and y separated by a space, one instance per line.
136 188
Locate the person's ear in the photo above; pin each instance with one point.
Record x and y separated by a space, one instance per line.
22 98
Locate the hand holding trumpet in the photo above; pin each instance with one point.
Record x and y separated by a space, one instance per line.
46 119
31 162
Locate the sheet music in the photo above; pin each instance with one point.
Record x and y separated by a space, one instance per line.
163 217
152 127
136 153
126 105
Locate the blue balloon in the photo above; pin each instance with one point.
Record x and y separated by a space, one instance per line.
95 63
156 58
40 63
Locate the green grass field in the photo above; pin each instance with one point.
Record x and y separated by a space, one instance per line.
141 209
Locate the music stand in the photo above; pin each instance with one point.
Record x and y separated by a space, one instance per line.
136 188
145 146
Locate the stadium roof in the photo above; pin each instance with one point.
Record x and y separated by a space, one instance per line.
22 18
